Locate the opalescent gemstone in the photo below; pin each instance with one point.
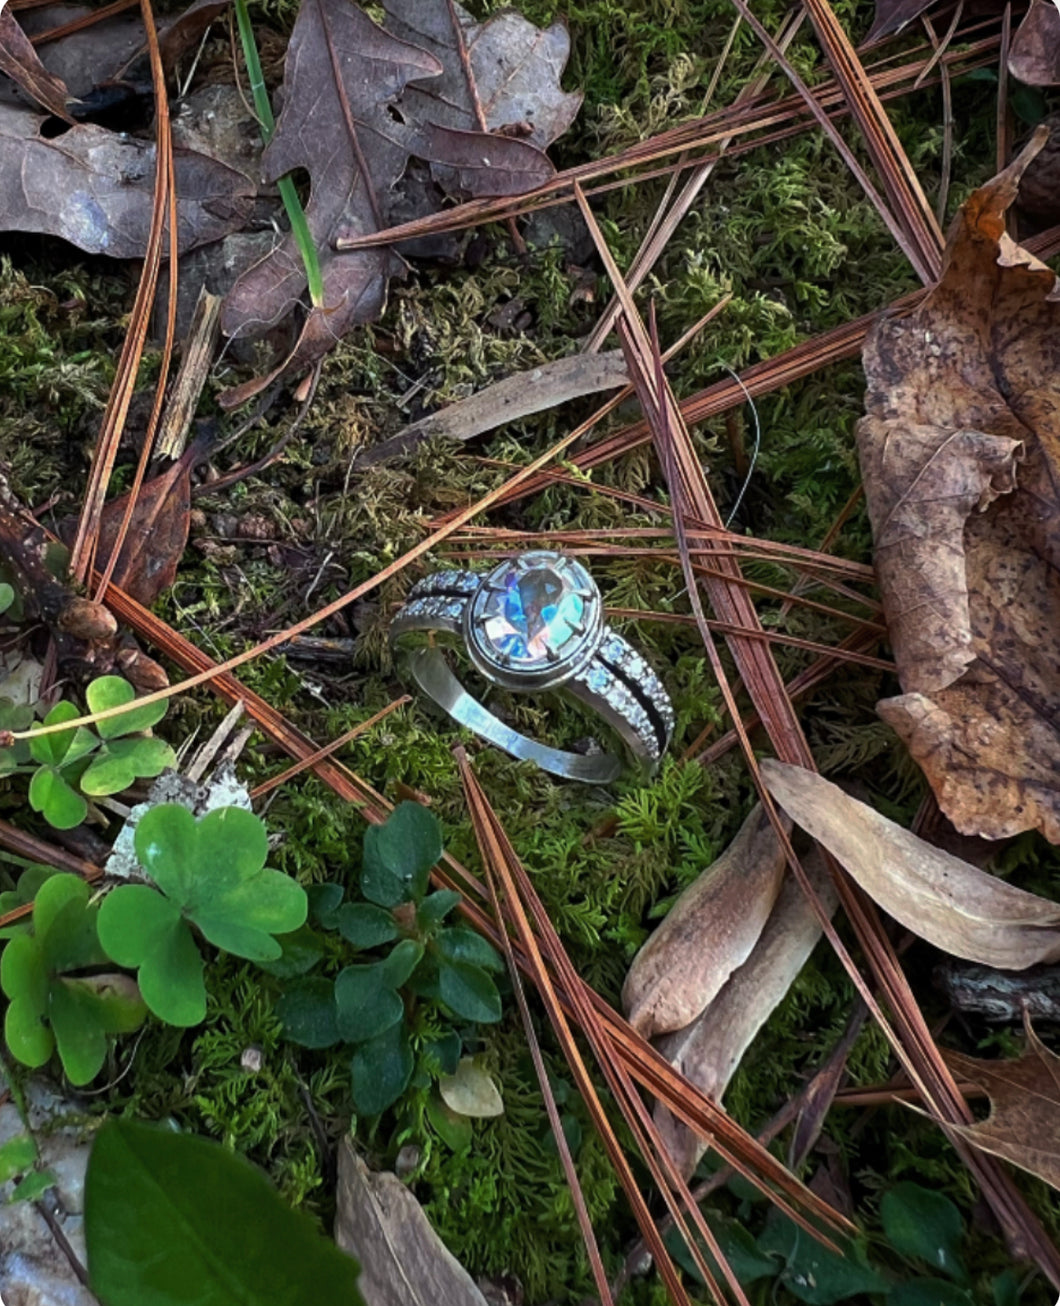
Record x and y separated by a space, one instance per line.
536 611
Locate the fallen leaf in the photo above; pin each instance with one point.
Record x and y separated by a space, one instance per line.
22 64
708 932
951 903
510 400
471 1091
959 458
1024 1122
403 1261
1034 56
709 1050
94 188
350 118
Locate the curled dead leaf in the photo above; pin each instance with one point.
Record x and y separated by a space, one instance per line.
949 902
707 934
959 458
1034 56
709 1050
1024 1122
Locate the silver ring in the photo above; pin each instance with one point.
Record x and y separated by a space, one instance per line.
535 623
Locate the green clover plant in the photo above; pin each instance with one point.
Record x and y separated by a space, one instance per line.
71 767
406 960
211 878
59 989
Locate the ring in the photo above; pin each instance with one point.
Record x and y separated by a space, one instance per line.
535 623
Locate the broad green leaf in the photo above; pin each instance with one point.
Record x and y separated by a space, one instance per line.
171 1219
62 807
64 925
167 847
7 596
28 1039
112 691
307 1011
365 925
140 928
403 959
119 763
471 1091
81 1042
924 1224
242 918
16 1156
300 950
468 992
381 1070
435 907
23 973
52 749
447 1050
811 1272
399 854
737 1246
365 1004
458 943
929 1292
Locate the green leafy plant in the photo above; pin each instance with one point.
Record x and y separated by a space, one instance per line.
407 960
61 993
211 878
172 1219
71 767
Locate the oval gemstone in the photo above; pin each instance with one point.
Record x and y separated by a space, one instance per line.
529 615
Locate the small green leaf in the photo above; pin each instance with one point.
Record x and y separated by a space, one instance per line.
458 943
139 928
447 1049
300 952
107 692
324 903
62 807
28 1038
79 1038
17 1156
307 1011
381 1070
471 1091
365 1004
920 1223
32 1187
469 992
172 1219
399 854
737 1246
51 750
435 907
118 764
7 596
365 925
403 959
454 1130
811 1272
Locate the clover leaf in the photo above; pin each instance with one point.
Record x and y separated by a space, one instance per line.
399 854
211 874
121 760
51 1006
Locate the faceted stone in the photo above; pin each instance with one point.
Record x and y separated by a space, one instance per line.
531 614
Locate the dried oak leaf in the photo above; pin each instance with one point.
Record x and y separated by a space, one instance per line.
959 456
20 62
94 188
350 118
1034 56
1024 1122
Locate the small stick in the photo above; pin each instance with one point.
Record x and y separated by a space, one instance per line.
191 377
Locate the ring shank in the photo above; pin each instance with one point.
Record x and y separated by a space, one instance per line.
431 672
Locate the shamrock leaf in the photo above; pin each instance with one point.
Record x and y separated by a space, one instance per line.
50 1007
399 854
212 875
108 692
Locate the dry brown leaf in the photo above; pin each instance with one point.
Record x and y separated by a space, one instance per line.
949 902
403 1261
510 400
707 934
20 62
1034 56
1024 1122
709 1050
959 457
94 188
352 118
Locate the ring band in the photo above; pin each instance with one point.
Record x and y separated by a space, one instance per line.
535 623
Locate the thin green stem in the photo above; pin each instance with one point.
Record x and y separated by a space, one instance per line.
288 193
